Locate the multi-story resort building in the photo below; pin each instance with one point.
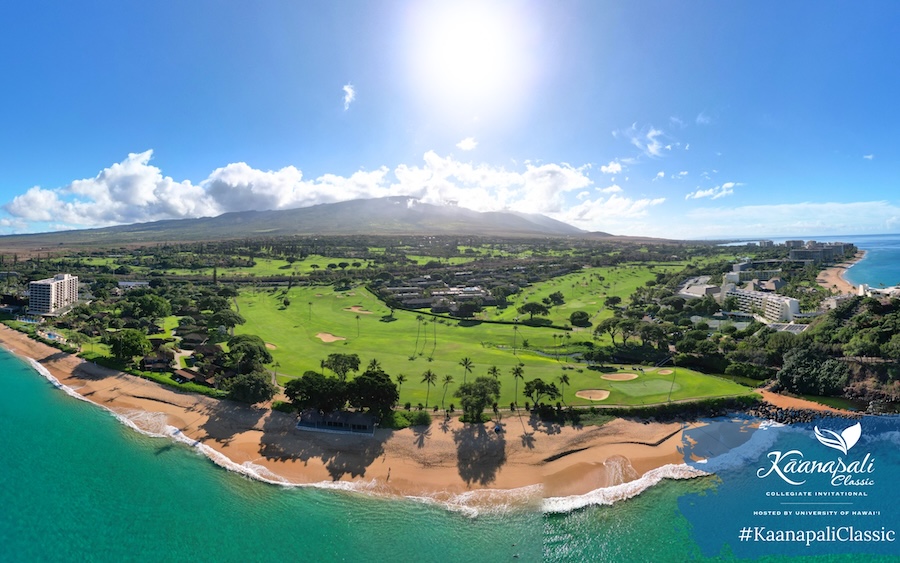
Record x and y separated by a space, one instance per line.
772 306
52 296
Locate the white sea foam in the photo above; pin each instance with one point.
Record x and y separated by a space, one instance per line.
486 501
610 495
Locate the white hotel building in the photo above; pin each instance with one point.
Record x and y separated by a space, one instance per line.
52 295
770 305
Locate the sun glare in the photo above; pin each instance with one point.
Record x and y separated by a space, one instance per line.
469 57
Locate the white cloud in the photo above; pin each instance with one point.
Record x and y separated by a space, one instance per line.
703 119
614 189
647 139
612 168
717 192
467 144
869 156
677 122
682 174
797 219
659 175
349 95
614 214
653 144
127 192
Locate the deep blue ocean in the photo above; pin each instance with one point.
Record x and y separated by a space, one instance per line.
76 484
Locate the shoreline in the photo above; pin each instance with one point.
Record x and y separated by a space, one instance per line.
465 466
833 278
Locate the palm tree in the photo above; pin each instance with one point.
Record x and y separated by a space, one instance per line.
518 373
357 326
494 372
428 378
515 332
466 364
448 379
563 381
401 379
374 365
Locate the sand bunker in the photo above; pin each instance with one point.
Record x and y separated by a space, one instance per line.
328 337
619 376
271 346
665 372
358 309
592 394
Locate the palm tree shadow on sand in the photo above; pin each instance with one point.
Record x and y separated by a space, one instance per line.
479 453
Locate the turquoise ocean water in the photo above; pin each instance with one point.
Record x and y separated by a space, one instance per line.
881 266
78 484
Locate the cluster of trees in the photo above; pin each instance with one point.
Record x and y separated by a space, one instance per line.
372 390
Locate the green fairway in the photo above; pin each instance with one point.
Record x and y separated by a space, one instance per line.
585 290
411 343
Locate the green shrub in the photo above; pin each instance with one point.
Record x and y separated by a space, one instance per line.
283 406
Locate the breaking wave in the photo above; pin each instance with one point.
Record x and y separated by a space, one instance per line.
624 491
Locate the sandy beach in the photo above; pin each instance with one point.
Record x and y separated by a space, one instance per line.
441 461
833 278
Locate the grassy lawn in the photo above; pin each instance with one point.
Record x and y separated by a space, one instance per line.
275 267
404 344
583 291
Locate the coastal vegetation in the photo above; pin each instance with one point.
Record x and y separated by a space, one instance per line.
550 318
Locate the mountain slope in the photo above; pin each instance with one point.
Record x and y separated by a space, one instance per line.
381 216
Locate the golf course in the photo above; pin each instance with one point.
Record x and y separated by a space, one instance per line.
303 325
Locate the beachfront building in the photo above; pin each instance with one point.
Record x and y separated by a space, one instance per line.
769 305
52 296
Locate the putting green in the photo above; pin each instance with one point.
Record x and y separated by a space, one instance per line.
644 387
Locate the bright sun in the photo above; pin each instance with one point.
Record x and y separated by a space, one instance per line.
470 57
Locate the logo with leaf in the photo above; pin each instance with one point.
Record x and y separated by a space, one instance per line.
841 442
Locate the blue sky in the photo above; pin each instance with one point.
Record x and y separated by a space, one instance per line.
670 119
